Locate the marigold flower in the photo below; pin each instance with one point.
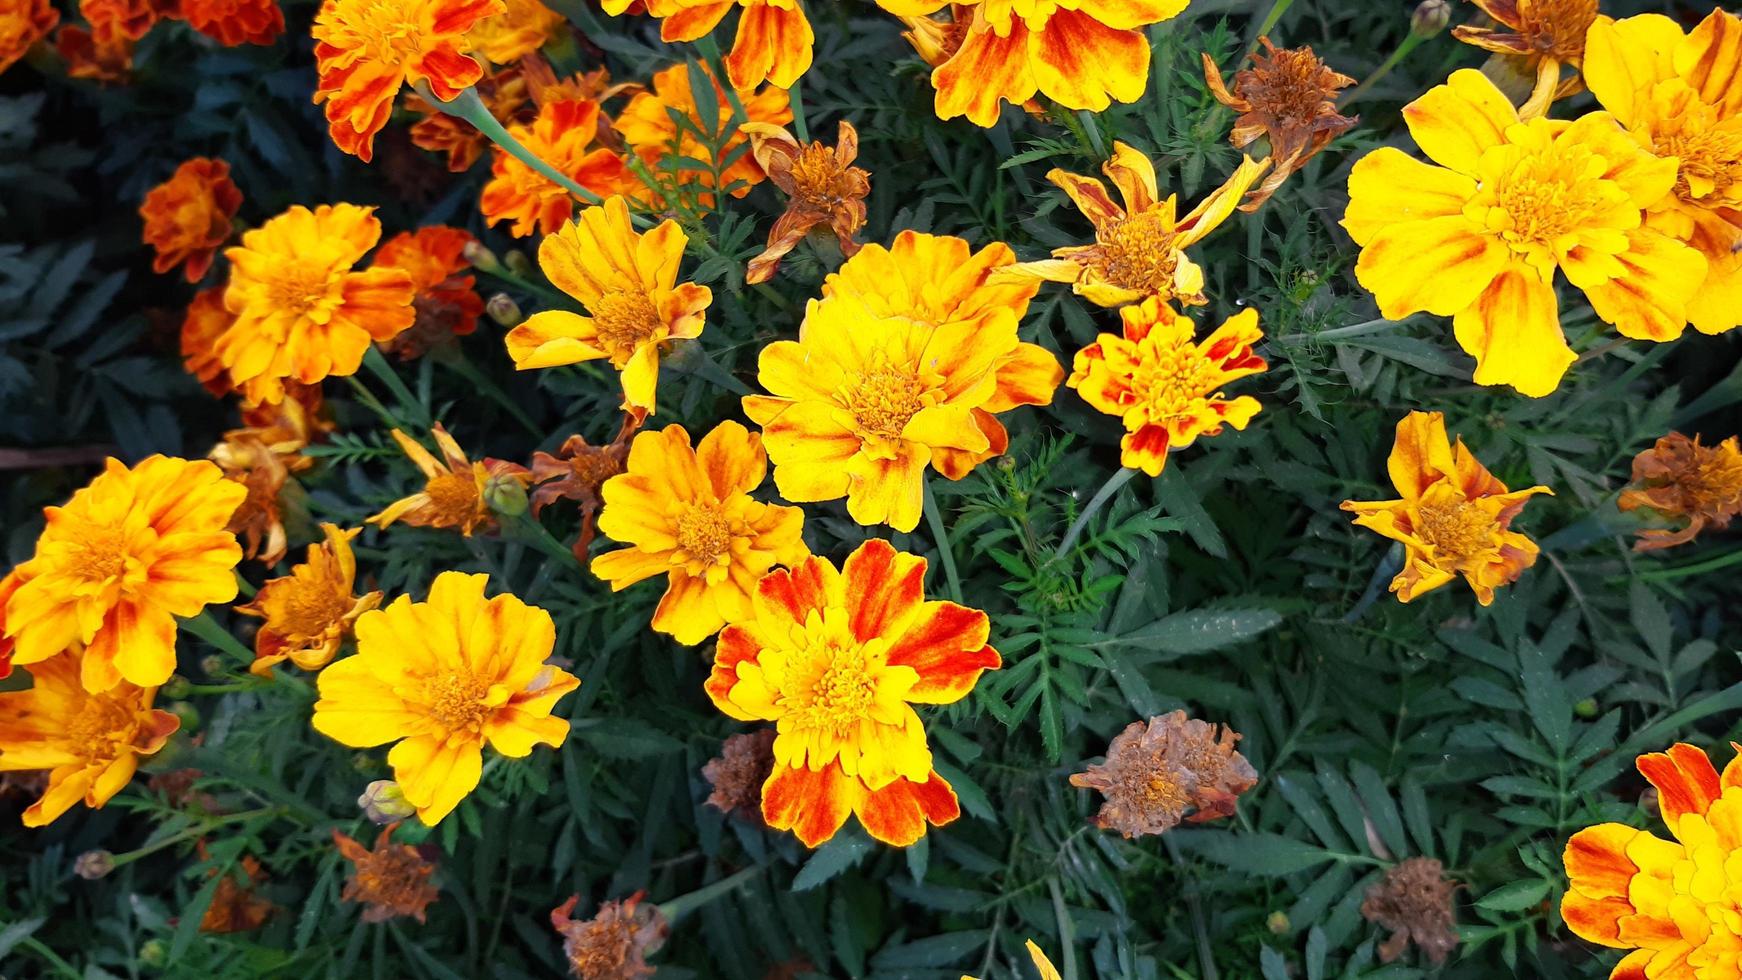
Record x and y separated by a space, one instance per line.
187 217
443 677
1159 771
504 94
1041 963
1454 517
560 136
453 492
577 472
444 300
309 612
1479 237
1165 387
836 659
205 321
234 22
236 907
1542 34
745 762
1679 478
366 50
1679 95
391 881
258 521
96 56
773 43
9 584
1139 249
22 24
115 567
647 126
1289 97
89 744
687 514
627 280
516 32
615 943
822 188
1414 901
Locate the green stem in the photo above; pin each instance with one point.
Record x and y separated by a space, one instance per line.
1403 50
1101 496
1357 329
800 126
1092 131
193 833
537 535
41 949
941 537
207 628
1067 931
1697 568
684 904
456 362
528 285
378 366
373 404
469 107
1277 9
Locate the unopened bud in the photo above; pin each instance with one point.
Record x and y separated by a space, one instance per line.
1277 923
154 952
92 865
362 762
176 687
504 310
518 263
212 664
480 257
1430 18
506 496
1587 708
189 715
384 802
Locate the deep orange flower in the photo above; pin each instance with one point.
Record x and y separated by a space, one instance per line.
774 36
646 125
507 37
205 321
311 611
187 217
101 59
1288 96
503 92
233 22
822 188
453 493
22 24
1542 34
366 50
446 303
390 881
564 136
1683 480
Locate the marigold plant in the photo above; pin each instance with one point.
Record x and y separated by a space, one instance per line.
187 217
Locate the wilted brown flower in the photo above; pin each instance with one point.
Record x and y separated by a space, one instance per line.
822 188
613 945
259 521
311 611
744 764
1542 35
1414 901
1289 96
177 789
235 907
1160 770
392 880
1681 479
577 472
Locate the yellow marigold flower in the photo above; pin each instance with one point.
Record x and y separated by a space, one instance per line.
1289 97
1454 517
453 492
516 32
390 881
1041 963
1679 478
1163 385
1479 237
687 514
188 216
1681 95
627 280
563 136
647 126
309 612
366 50
442 678
1139 249
115 567
22 24
1542 35
837 659
1667 900
773 43
88 744
822 187
303 309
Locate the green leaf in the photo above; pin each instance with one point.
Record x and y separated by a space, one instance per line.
1515 897
1270 855
626 738
1201 630
830 860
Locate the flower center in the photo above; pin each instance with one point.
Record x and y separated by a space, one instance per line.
1138 253
390 31
1541 201
1715 483
100 726
703 532
1556 28
1289 87
886 399
838 693
99 553
313 607
1711 164
625 321
1170 382
1159 789
819 181
1457 529
456 702
453 496
300 289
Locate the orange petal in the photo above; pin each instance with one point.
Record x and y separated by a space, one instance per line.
1597 863
897 813
884 588
774 44
736 645
1422 455
813 805
946 645
986 69
1455 122
1082 63
1685 779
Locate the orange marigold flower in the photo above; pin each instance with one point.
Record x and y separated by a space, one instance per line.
1414 901
303 309
1681 479
647 126
87 743
445 303
577 472
1166 386
503 92
391 881
615 943
1454 517
745 762
188 216
22 24
366 50
774 36
234 22
837 659
1289 97
1139 249
1542 35
9 584
99 58
516 32
237 907
441 678
1167 769
453 492
205 321
822 188
563 136
311 611
627 281
115 567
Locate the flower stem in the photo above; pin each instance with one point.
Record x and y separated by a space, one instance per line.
684 904
941 537
1403 50
469 107
207 628
539 536
800 125
1101 496
379 367
1277 9
456 362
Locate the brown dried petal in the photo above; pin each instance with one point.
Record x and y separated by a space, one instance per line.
1414 901
1165 770
744 764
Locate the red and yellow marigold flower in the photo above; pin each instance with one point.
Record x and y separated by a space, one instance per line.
453 493
304 312
115 567
1165 385
22 24
627 281
442 678
205 321
1681 95
563 136
837 659
686 513
1479 237
774 36
1454 518
234 22
366 50
187 217
646 125
89 744
516 32
309 612
445 303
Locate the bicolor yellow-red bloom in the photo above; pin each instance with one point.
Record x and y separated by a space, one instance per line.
366 50
1681 95
1543 35
686 513
516 32
1479 237
646 125
312 610
88 744
1139 249
627 281
1041 963
1672 902
233 22
822 188
204 322
453 492
1164 384
773 42
441 678
837 659
563 136
1454 518
22 24
187 217
1288 97
445 303
1681 480
504 94
115 567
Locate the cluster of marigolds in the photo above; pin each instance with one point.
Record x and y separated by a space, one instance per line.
905 363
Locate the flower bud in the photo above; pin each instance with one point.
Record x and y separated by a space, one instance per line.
505 496
384 802
1430 18
518 263
212 664
92 865
1587 708
189 715
480 257
176 687
1278 924
154 952
504 310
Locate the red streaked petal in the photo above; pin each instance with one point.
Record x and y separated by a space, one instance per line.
897 813
1685 779
946 645
813 805
884 587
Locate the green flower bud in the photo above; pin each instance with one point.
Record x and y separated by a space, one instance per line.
384 802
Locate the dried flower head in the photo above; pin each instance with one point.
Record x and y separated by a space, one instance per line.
576 473
311 611
822 188
745 762
1289 96
1168 769
614 944
453 492
1683 480
392 880
1414 901
237 907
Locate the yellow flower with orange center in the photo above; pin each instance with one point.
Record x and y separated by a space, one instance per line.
773 43
686 513
88 743
1454 517
627 281
1139 249
1163 384
1681 95
22 24
516 32
303 310
647 126
311 611
115 567
442 678
1479 237
837 659
188 216
453 491
563 136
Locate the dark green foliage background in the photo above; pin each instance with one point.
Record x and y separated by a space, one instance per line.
1480 737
